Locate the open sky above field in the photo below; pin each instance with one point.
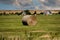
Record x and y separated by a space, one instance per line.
29 4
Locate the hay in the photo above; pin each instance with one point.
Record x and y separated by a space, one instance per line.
29 20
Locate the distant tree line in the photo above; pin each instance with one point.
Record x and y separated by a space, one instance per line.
26 12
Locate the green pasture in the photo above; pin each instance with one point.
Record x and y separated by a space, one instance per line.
14 23
11 25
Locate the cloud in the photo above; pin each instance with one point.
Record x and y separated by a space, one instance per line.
18 3
22 2
33 4
7 1
50 4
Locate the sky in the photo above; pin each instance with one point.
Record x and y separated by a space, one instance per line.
29 4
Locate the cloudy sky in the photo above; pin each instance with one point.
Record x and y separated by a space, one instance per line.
29 4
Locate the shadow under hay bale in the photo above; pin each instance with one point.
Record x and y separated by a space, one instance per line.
24 23
0 14
41 13
59 12
18 13
27 12
29 20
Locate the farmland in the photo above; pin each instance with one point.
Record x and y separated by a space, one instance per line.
45 25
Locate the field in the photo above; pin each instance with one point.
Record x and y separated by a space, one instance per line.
45 25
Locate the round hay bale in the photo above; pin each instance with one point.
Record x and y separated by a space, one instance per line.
29 20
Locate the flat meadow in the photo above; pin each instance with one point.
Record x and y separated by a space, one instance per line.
45 25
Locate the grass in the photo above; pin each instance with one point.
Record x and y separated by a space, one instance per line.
46 23
12 25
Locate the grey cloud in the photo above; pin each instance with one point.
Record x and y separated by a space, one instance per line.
23 4
50 4
20 2
7 1
28 4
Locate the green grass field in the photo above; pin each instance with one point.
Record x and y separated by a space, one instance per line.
45 25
